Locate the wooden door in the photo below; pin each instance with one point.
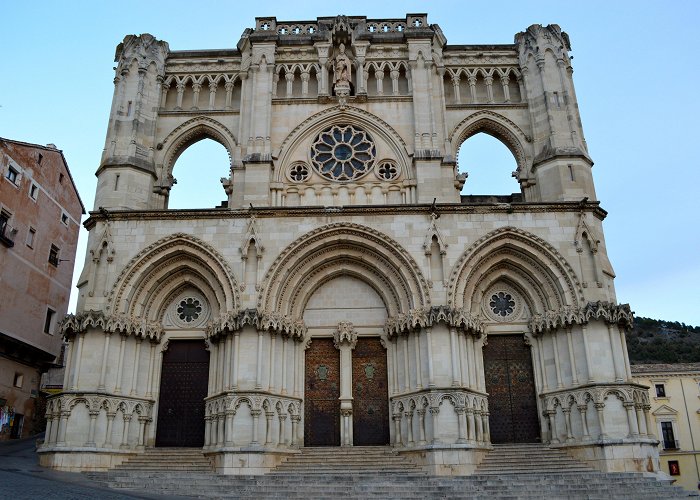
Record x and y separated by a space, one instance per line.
511 387
321 393
183 387
370 393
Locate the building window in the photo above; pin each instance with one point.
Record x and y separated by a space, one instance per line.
668 437
39 158
53 255
60 178
19 380
33 191
64 218
12 175
660 390
50 313
30 237
6 231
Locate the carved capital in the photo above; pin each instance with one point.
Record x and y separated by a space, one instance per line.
345 332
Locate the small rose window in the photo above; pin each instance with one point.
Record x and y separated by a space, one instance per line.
502 304
189 309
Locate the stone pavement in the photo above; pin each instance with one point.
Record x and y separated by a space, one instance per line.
22 478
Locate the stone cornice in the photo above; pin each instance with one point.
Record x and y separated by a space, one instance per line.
273 323
425 318
73 324
310 211
619 314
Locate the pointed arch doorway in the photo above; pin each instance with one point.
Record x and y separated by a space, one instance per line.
510 384
183 387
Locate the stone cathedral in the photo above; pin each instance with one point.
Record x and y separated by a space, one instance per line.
346 293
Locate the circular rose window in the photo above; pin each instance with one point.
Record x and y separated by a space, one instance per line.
343 153
189 309
502 304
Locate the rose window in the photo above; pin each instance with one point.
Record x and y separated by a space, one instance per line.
502 304
189 309
343 153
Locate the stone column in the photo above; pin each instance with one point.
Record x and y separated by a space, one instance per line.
105 357
419 364
455 87
258 373
409 426
631 420
78 359
557 364
280 438
434 412
488 79
135 372
454 347
506 90
345 340
421 426
227 363
583 409
284 365
212 94
120 364
151 365
572 358
613 352
108 433
591 378
398 442
461 431
600 408
429 340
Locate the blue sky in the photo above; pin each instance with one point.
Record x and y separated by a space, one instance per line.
634 71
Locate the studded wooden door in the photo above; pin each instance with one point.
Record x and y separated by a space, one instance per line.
322 390
369 391
183 387
511 388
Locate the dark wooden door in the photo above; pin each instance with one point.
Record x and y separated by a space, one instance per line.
183 387
511 387
322 390
369 391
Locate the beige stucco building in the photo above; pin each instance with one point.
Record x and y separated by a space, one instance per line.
40 213
674 395
347 294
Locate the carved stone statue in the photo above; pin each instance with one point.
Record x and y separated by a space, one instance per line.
341 66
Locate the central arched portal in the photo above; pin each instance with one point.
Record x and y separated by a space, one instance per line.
349 299
510 385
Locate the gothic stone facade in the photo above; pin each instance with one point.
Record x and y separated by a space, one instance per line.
347 294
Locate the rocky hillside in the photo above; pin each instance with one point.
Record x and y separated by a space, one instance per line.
657 341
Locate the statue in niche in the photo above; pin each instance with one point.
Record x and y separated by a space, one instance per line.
341 66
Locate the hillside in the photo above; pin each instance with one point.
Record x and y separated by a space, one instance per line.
657 341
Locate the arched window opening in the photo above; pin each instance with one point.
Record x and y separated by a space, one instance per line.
198 171
490 165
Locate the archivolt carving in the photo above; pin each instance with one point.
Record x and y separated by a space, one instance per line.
500 127
535 258
183 251
286 285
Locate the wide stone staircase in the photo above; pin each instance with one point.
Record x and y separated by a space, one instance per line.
509 472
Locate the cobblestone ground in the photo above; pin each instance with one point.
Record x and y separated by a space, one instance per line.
22 478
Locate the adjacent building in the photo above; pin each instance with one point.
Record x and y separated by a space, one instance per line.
347 294
675 406
40 213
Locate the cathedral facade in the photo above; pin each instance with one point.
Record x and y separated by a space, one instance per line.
347 294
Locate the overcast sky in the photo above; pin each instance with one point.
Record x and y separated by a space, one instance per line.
635 74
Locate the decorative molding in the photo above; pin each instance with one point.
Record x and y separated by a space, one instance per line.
73 324
616 314
345 332
417 319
